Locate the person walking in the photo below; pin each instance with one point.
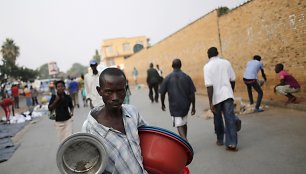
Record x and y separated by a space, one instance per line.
28 96
61 103
153 82
135 75
288 84
219 78
91 81
116 125
251 80
83 92
15 94
181 93
34 96
74 92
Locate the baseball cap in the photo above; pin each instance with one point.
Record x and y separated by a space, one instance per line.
93 62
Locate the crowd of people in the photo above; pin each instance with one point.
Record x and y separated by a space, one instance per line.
113 120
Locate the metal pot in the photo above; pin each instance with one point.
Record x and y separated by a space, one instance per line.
81 153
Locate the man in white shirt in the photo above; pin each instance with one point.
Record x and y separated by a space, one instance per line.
219 79
91 81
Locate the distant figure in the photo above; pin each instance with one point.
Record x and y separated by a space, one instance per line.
34 96
251 80
28 96
83 91
153 82
15 94
74 92
61 103
128 93
181 93
288 84
52 88
135 75
219 79
5 104
160 72
91 81
116 125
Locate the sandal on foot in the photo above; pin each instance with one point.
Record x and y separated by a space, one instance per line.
231 148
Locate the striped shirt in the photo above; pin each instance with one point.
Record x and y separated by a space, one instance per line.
123 149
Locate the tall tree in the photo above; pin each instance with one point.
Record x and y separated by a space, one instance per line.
97 57
9 51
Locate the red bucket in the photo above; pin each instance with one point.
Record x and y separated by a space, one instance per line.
163 152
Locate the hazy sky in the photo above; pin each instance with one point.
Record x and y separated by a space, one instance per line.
69 31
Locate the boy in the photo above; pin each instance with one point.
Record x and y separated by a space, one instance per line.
288 84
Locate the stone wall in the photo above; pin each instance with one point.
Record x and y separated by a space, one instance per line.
274 29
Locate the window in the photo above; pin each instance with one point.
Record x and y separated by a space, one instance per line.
126 46
109 49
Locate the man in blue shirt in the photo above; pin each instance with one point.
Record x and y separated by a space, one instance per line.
181 93
251 80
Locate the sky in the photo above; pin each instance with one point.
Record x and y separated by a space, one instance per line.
69 31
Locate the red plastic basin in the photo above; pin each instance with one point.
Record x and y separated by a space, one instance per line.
162 153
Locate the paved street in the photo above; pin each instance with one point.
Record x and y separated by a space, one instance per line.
270 142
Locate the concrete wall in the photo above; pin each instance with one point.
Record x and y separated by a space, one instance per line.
274 29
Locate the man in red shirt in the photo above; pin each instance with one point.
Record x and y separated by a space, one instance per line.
288 84
5 104
15 94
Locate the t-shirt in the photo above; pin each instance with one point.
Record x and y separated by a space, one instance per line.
218 73
62 107
73 86
252 68
15 91
289 79
179 87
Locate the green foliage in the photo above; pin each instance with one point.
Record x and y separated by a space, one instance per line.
9 69
97 57
76 70
9 51
222 11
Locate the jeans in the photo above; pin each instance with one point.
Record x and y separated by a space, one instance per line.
253 83
227 109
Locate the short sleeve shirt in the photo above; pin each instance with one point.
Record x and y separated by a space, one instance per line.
123 149
289 79
252 68
218 73
179 87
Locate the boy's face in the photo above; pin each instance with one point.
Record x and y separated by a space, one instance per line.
277 69
60 88
113 91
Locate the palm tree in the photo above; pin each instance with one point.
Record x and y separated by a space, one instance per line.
9 51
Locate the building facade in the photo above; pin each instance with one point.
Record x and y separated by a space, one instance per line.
114 52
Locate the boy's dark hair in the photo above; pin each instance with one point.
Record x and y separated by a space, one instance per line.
257 57
111 71
58 82
279 66
212 52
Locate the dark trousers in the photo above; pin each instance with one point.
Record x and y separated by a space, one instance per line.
155 88
254 84
16 102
